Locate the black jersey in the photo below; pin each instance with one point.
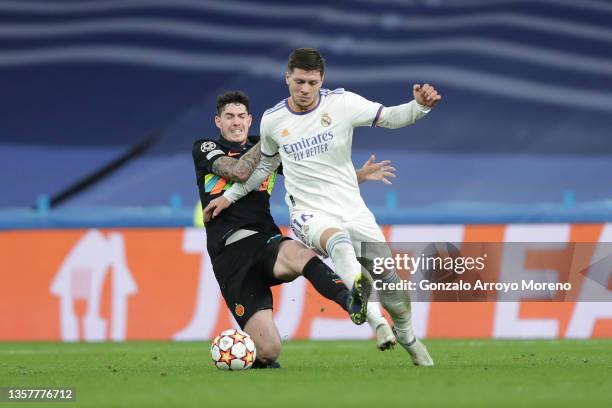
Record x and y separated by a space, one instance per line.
250 212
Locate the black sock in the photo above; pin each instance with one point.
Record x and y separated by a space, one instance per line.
326 282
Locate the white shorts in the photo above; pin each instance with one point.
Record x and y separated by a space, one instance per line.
308 226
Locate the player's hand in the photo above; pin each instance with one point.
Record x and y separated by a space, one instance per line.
426 95
215 207
380 171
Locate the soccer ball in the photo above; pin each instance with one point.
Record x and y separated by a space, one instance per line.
233 350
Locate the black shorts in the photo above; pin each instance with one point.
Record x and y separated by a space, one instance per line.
244 271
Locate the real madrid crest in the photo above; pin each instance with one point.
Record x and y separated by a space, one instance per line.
326 119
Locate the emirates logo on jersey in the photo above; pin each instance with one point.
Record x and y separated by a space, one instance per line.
309 146
326 120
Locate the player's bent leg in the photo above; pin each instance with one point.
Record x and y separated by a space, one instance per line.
365 229
326 235
336 243
264 333
339 247
294 258
291 259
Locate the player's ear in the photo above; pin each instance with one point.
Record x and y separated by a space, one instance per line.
249 120
218 121
287 74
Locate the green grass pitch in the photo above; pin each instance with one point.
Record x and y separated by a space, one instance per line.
318 374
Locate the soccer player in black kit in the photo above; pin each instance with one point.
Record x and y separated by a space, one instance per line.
247 250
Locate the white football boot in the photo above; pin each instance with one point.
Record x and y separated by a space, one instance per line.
385 339
417 350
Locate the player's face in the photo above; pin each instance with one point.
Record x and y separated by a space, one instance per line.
234 122
304 88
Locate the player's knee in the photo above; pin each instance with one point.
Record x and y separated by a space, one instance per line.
304 256
339 239
326 237
294 256
269 351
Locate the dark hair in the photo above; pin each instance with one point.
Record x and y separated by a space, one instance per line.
307 59
232 97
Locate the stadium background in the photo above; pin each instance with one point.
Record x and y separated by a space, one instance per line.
101 102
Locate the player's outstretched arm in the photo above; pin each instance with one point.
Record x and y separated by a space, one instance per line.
395 117
380 171
238 170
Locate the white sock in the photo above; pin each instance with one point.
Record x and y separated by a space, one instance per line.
375 316
402 319
398 306
340 250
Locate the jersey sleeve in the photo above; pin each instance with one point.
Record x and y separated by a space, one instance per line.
266 166
360 111
204 153
269 147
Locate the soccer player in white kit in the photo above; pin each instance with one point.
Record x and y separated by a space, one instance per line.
312 132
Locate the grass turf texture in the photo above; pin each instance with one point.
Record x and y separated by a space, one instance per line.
319 374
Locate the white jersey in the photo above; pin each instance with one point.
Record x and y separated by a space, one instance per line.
315 149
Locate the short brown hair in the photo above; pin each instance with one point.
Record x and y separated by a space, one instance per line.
307 59
232 97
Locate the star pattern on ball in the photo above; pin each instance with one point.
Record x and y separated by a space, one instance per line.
226 357
238 338
248 358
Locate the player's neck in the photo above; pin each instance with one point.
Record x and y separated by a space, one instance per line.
238 142
296 108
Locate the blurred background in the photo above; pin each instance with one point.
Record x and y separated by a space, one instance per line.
102 100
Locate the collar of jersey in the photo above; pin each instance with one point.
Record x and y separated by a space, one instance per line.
234 146
305 112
